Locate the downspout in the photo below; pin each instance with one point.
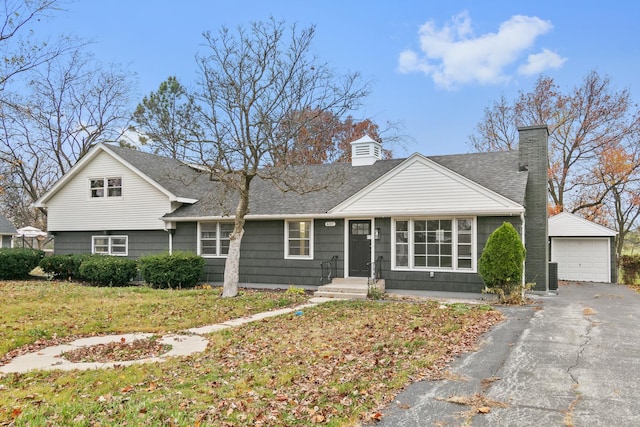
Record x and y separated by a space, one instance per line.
170 242
524 262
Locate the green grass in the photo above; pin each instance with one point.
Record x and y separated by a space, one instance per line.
336 364
41 310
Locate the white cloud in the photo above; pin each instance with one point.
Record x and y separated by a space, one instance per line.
538 62
453 56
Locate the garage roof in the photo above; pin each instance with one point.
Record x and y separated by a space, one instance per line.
565 224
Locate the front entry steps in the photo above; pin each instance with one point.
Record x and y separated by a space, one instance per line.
348 288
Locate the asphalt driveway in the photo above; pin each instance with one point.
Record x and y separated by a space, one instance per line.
566 360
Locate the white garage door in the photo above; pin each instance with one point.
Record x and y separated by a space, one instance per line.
581 259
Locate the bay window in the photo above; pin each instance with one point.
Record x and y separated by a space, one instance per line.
434 244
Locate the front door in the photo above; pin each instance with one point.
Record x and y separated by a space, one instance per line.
359 248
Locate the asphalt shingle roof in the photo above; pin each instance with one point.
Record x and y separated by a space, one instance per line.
497 171
6 227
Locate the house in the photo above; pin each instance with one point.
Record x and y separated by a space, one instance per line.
583 250
7 231
420 223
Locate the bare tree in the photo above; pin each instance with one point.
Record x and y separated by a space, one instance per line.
586 126
19 53
497 131
252 80
72 104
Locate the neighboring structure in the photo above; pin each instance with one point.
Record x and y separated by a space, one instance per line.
7 231
420 223
583 250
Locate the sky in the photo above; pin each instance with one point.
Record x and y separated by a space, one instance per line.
434 65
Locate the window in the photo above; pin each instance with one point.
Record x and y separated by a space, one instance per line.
214 238
299 239
105 187
434 244
110 245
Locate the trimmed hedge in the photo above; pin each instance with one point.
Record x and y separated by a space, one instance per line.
104 270
630 265
64 266
180 270
17 263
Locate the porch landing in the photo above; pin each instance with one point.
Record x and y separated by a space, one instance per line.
348 288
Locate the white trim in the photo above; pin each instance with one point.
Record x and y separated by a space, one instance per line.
566 224
218 253
347 236
454 245
109 237
105 188
345 216
554 251
508 206
86 159
311 239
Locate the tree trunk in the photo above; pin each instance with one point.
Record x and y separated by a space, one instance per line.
232 264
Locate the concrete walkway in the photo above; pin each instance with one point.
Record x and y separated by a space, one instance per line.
568 360
181 345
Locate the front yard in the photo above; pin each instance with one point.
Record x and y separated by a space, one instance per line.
335 364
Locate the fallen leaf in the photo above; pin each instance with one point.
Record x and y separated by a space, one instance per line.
484 410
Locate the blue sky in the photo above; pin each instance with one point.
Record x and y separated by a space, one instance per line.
435 65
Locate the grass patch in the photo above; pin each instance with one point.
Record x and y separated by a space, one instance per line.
41 310
339 363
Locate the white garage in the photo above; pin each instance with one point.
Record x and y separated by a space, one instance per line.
582 249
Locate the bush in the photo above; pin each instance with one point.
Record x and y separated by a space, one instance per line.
630 265
501 263
64 266
103 270
17 263
179 270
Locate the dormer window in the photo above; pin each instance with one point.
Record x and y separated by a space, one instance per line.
106 187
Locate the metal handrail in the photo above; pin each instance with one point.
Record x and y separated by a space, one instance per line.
328 270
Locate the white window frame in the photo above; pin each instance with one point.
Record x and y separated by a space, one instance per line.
454 245
110 245
286 239
218 238
105 188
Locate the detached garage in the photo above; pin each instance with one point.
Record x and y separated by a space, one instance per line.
583 250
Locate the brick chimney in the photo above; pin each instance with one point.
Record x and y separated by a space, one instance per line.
533 157
365 151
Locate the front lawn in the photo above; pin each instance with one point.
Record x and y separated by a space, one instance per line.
335 364
42 310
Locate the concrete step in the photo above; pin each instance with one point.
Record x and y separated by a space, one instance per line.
340 295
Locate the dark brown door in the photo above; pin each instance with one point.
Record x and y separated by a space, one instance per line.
359 248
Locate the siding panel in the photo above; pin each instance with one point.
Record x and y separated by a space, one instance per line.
426 187
140 208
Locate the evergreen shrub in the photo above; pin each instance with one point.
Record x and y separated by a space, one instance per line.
17 263
104 270
501 263
179 270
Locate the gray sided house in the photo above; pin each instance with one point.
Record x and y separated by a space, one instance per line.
419 223
7 231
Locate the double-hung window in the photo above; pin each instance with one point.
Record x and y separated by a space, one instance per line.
299 239
110 245
105 187
214 238
434 244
